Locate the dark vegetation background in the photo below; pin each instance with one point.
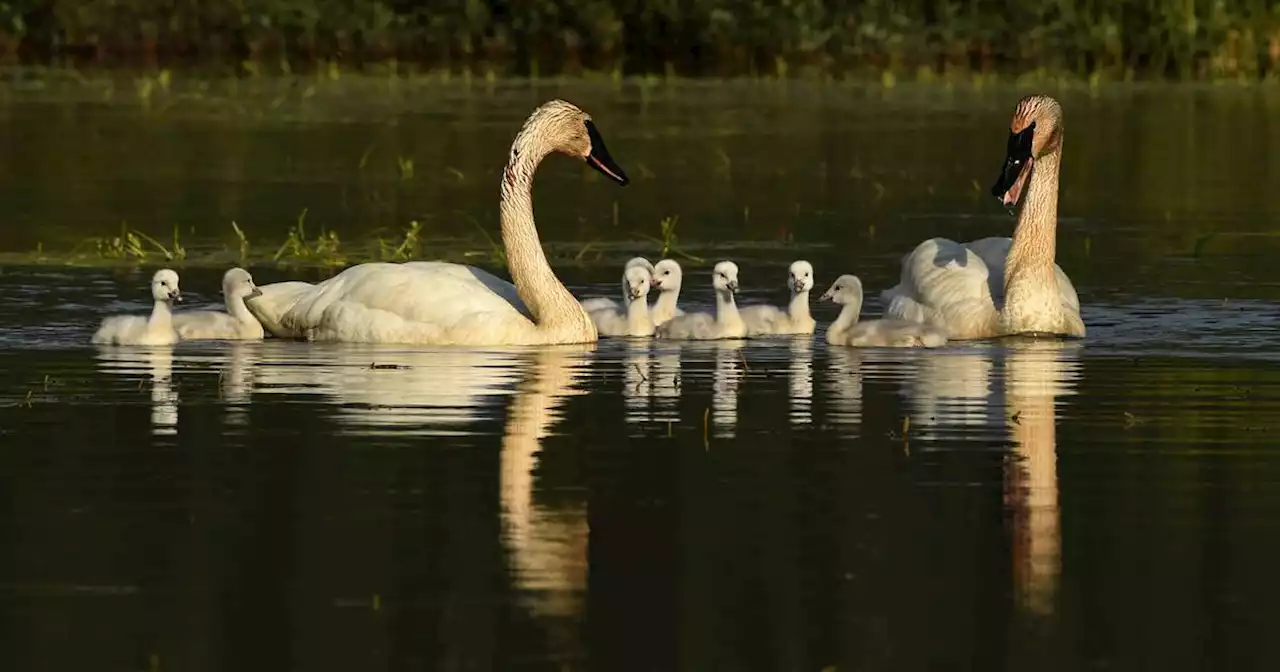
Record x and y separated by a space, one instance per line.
1181 39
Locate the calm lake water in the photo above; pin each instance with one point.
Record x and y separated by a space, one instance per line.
1111 504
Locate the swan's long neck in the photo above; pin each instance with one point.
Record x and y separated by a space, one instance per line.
638 320
848 317
1029 267
798 309
547 299
665 307
726 308
237 309
161 316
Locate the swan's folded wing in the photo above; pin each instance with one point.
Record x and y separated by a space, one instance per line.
467 274
426 301
276 300
946 283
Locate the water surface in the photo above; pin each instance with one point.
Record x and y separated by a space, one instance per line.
773 504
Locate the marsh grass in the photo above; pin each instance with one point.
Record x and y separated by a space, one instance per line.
325 252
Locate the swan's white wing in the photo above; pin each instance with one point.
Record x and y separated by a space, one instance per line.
945 284
276 300
468 274
419 302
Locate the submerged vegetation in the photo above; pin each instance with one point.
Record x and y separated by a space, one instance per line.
1183 39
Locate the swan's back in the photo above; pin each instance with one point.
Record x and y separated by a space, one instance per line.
120 330
416 302
212 324
893 334
700 326
276 300
764 319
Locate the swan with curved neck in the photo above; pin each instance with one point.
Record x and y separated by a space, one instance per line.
725 323
235 324
439 303
849 329
766 320
634 320
1001 286
155 329
665 275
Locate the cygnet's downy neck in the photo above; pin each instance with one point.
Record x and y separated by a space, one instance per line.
638 315
726 308
798 309
1034 247
237 309
666 303
849 315
161 315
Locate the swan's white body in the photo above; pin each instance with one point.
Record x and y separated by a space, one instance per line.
1000 286
890 333
438 303
635 320
157 329
667 278
765 320
234 325
725 323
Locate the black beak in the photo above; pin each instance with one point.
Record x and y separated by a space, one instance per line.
1016 156
599 157
176 296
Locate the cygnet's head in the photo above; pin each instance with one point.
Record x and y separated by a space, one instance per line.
667 275
801 277
845 290
641 262
725 277
562 126
635 282
164 286
238 284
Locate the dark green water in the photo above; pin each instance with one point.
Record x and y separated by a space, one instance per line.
1112 504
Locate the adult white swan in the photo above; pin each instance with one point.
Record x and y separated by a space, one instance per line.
438 303
1000 286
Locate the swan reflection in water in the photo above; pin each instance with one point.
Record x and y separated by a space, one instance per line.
386 390
637 381
800 381
726 380
959 391
156 363
439 392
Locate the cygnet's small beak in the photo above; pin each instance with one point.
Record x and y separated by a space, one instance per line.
733 286
176 296
634 291
656 284
826 296
254 294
